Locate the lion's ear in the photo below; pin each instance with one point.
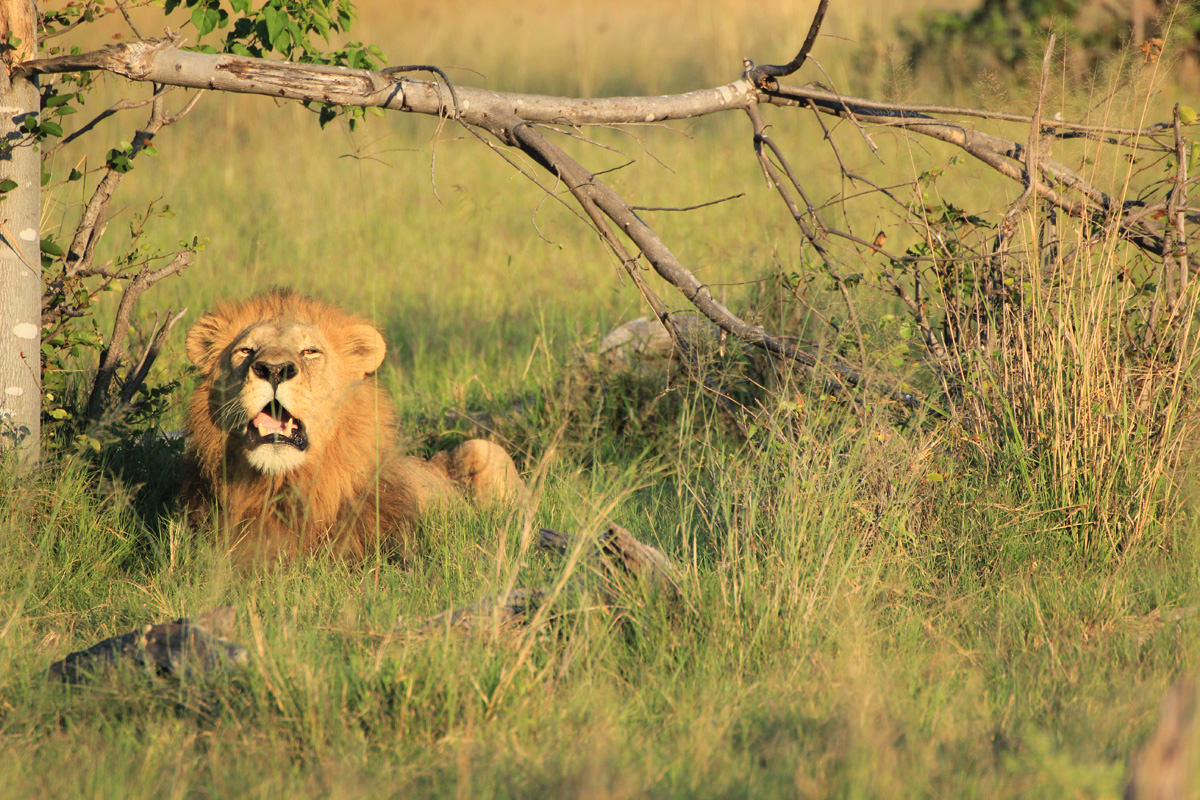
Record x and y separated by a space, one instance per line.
364 346
203 340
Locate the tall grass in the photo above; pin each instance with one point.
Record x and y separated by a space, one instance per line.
876 607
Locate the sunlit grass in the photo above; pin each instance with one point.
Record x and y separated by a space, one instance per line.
874 609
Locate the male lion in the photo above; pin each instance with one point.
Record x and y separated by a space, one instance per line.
292 439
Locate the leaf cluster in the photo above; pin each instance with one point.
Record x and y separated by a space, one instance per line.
296 30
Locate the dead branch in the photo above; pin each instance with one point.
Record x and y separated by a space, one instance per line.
617 557
161 62
511 118
185 647
762 143
136 378
114 354
764 75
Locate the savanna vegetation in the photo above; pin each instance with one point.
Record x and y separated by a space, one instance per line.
985 593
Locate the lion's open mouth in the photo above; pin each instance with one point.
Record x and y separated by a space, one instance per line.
275 425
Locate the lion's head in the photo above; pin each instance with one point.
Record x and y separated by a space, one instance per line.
283 378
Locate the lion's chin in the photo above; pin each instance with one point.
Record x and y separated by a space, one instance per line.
275 459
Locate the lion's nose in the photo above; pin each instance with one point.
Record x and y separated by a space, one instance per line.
274 371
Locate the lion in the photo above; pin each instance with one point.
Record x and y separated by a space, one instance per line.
293 442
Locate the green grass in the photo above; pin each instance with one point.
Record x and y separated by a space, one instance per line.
876 608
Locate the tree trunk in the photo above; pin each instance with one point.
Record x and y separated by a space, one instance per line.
20 250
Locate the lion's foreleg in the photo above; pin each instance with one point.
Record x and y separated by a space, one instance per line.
483 470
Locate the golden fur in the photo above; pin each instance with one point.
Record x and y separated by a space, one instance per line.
292 439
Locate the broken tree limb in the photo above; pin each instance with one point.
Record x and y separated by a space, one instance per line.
160 61
511 118
617 556
185 647
504 611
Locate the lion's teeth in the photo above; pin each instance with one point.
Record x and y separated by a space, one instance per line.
266 424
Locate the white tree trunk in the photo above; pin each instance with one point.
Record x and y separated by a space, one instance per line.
20 250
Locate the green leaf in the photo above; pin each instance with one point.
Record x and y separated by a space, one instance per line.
199 15
52 128
51 247
1187 115
118 160
212 17
7 185
321 26
74 175
275 22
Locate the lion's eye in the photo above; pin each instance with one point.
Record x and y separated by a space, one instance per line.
242 352
310 352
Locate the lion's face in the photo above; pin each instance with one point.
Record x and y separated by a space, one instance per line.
281 387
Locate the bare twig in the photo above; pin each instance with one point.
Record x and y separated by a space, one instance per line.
691 207
125 104
88 231
135 379
129 20
1032 151
1177 203
761 141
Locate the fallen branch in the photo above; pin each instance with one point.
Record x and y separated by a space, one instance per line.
617 557
160 61
511 118
184 647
